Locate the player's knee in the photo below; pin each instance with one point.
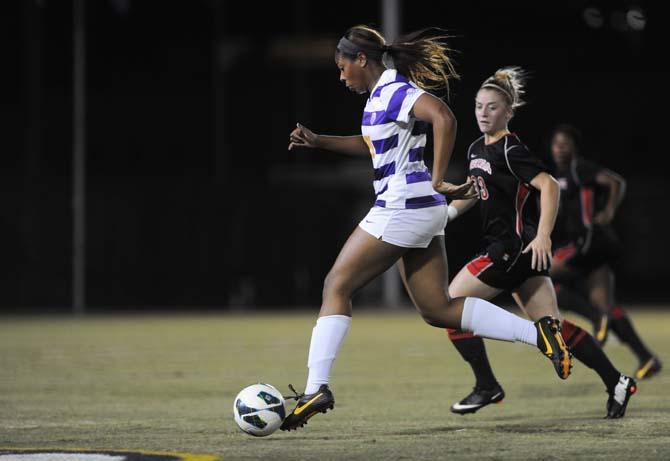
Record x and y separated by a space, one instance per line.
434 320
335 284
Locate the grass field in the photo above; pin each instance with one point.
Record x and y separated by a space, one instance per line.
166 382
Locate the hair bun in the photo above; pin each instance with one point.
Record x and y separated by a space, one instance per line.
512 81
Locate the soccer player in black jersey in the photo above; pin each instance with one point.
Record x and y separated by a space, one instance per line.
586 243
519 201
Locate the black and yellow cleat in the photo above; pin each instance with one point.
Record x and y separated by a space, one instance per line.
477 399
601 328
551 344
649 368
619 396
308 405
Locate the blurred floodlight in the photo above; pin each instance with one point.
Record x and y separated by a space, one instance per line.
593 18
636 18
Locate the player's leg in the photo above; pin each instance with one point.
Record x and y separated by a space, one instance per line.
362 258
571 297
487 390
567 278
600 283
425 273
537 297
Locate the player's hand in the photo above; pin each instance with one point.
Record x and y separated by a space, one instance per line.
302 137
604 217
541 248
457 192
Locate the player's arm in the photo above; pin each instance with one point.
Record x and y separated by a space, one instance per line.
433 110
549 196
616 187
304 137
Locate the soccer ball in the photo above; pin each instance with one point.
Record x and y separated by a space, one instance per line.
259 409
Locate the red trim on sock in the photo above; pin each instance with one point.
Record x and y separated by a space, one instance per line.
571 333
455 335
567 329
618 313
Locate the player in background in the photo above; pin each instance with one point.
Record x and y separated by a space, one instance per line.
406 223
516 250
587 244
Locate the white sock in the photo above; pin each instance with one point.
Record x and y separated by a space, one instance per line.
327 337
490 321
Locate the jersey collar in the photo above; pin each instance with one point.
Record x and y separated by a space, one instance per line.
388 76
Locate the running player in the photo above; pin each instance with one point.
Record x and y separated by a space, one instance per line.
407 221
587 244
516 252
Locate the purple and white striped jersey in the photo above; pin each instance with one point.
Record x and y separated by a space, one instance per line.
396 141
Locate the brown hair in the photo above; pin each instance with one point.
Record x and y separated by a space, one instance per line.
510 82
422 56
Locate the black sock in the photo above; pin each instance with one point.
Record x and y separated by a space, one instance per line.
473 351
586 350
623 327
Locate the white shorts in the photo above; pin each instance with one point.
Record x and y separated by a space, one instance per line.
408 228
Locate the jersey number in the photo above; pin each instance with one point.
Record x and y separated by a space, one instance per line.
480 185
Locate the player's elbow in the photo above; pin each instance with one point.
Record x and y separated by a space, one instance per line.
444 117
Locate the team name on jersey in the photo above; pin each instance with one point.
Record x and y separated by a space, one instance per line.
481 164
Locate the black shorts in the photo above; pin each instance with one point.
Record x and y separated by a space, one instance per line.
503 270
589 253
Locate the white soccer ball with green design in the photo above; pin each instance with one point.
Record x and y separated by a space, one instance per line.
259 409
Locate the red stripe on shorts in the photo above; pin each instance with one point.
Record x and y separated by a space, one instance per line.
479 265
566 252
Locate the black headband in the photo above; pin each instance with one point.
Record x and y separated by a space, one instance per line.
346 46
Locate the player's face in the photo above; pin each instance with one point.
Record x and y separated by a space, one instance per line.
562 148
492 111
351 73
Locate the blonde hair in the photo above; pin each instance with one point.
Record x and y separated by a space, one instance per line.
510 82
422 56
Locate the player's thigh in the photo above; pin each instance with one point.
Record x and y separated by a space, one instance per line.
425 273
466 284
361 259
537 297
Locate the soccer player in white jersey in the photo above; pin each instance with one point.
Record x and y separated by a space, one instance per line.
406 223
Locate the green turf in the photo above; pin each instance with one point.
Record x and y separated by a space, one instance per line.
166 382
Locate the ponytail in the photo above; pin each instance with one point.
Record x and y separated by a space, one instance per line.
510 82
422 56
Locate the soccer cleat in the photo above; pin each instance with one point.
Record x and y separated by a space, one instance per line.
477 399
649 368
619 396
308 405
601 328
551 344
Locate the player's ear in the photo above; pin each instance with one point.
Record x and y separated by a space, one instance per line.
361 60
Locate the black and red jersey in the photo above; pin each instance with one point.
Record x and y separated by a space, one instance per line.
509 205
581 198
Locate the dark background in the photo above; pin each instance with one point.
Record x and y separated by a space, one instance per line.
192 197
